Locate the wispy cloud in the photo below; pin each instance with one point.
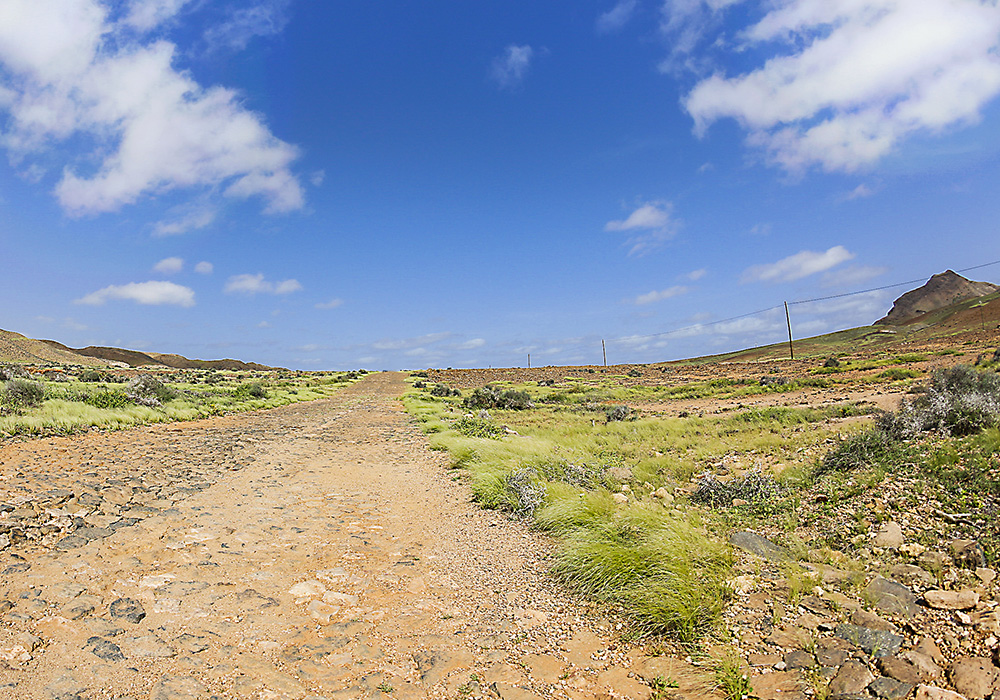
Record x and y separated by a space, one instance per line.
256 284
190 220
696 275
802 264
862 191
169 266
145 15
617 17
262 18
650 226
853 276
79 73
332 304
509 68
148 293
653 297
410 343
856 78
204 268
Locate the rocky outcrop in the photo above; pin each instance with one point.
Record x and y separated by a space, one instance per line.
941 290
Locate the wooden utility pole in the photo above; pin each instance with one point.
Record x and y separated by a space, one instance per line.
604 349
529 360
788 320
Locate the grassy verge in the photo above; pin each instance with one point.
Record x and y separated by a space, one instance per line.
39 406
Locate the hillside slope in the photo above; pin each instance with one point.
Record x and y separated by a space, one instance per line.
940 291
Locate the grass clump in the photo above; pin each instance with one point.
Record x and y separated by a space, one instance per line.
444 390
253 390
147 390
616 413
479 428
870 447
895 374
109 399
751 488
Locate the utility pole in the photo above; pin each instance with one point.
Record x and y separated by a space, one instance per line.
529 360
788 320
604 349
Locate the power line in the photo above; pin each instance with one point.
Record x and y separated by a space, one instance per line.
791 303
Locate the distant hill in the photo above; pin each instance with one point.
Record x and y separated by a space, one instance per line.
15 347
941 290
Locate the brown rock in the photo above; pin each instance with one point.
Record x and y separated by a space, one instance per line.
930 692
765 660
789 637
890 535
863 618
968 553
928 647
974 677
852 678
951 600
933 562
909 574
783 685
901 670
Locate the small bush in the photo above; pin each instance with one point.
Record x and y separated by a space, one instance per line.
910 357
419 384
479 428
147 390
109 399
8 372
23 393
422 375
488 397
773 381
635 373
958 401
616 413
867 448
91 375
444 390
253 390
831 362
751 488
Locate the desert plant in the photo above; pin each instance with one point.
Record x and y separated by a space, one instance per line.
253 390
109 399
444 390
959 401
869 447
8 372
23 393
635 373
750 488
480 428
489 397
897 373
147 390
91 375
616 413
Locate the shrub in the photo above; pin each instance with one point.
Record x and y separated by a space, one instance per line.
22 393
480 428
91 375
869 447
958 401
832 362
109 399
253 390
897 373
444 390
147 390
773 381
752 487
8 372
616 413
488 397
422 375
635 373
419 385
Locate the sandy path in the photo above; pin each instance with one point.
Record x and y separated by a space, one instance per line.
315 551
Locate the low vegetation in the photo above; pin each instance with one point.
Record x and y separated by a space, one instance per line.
76 399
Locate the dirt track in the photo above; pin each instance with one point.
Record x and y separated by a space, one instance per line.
315 551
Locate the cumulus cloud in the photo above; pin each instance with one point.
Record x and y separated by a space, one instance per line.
617 17
860 192
651 225
79 72
204 268
332 304
145 15
509 68
169 266
696 275
794 267
472 344
653 297
856 78
256 284
853 276
148 293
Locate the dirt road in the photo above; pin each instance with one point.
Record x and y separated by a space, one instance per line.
314 551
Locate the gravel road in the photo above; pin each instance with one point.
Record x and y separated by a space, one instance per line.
320 550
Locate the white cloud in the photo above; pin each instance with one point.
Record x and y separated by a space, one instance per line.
169 266
78 73
145 15
256 284
857 78
332 304
149 293
761 229
192 220
617 17
853 276
860 192
204 268
263 18
802 264
409 343
652 297
696 275
263 324
653 223
509 68
317 177
471 344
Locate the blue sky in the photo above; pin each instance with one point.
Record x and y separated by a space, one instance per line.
403 185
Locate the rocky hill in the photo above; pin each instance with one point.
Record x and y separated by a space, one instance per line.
15 347
943 289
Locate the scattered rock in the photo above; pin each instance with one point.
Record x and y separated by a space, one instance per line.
891 597
951 600
875 643
968 553
890 689
889 536
178 688
128 609
755 544
104 649
930 692
852 678
974 677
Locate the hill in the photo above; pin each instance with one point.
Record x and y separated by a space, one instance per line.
940 291
18 348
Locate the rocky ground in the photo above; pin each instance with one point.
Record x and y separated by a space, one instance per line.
314 551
